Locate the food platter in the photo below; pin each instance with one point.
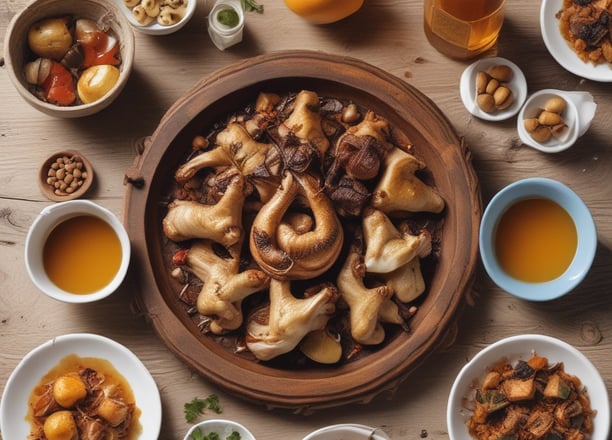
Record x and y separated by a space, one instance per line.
447 157
560 49
38 362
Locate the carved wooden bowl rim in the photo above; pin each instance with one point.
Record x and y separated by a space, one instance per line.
447 157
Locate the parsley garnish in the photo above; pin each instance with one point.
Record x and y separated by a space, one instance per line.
252 5
197 406
198 435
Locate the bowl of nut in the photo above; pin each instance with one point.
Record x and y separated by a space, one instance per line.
55 59
157 17
65 175
306 221
552 120
493 89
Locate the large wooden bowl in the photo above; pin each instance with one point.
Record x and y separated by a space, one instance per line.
445 155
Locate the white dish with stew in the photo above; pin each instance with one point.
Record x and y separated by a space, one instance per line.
523 347
561 50
38 362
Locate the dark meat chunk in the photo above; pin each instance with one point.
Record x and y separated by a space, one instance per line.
590 28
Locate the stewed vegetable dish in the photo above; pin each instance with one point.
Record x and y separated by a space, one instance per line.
531 400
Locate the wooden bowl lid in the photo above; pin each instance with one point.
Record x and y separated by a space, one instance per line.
446 156
75 165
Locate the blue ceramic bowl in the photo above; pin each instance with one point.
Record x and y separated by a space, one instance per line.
585 227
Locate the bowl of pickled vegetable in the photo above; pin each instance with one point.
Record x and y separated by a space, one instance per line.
529 387
69 59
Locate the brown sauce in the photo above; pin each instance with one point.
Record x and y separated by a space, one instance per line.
82 254
114 384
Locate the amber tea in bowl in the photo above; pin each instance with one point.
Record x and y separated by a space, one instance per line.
77 251
537 239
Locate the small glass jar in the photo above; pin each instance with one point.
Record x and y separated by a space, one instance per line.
223 32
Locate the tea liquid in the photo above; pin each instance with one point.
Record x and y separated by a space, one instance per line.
535 240
463 28
82 254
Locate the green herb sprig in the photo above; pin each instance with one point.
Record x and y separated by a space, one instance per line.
198 406
199 435
252 6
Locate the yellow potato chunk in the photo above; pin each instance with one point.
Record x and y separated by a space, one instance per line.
97 81
68 390
60 426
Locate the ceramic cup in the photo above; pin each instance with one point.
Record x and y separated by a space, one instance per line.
585 228
43 225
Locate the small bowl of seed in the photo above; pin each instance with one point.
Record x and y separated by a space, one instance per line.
552 120
493 89
65 175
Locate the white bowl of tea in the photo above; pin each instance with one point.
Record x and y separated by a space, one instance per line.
77 251
537 239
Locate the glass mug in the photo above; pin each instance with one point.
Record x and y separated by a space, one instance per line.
463 29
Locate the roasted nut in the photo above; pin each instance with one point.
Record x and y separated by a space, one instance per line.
541 134
486 102
492 94
531 124
482 79
555 105
501 72
550 118
492 85
502 97
66 175
558 130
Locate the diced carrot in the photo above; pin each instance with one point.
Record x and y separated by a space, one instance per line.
59 86
537 362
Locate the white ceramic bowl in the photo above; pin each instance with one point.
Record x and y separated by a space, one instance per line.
45 222
522 348
38 362
560 49
155 28
222 427
585 227
16 50
467 88
347 432
578 115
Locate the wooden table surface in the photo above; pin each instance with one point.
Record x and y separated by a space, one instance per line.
388 34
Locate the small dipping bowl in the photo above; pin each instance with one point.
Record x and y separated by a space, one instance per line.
578 114
48 219
347 431
585 229
85 176
467 88
222 427
155 28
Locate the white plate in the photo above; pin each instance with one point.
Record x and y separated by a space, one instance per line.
37 363
560 49
522 348
155 28
347 431
467 88
222 427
